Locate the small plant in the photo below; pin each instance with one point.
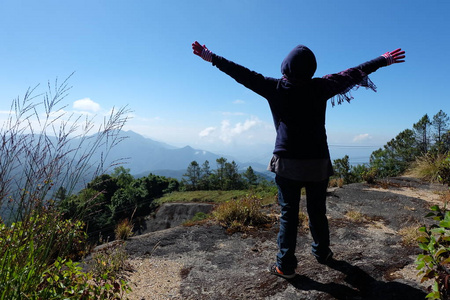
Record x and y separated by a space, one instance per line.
355 216
240 215
124 230
434 263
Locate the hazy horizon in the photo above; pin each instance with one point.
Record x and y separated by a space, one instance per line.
138 54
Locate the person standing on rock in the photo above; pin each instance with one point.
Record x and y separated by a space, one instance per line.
301 157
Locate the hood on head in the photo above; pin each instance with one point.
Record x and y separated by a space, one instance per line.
300 63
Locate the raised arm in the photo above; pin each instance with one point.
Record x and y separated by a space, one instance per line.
250 79
339 85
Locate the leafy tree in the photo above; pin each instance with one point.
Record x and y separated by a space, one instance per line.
105 184
192 175
396 155
250 176
219 174
341 168
205 177
421 131
122 176
233 180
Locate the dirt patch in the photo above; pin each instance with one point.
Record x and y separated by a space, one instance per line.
204 262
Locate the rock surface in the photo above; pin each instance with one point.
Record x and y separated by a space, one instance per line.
173 214
204 262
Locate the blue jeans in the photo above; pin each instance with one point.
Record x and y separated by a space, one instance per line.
289 192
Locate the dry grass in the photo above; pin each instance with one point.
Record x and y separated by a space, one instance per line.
427 167
355 216
124 230
336 182
303 221
240 215
409 235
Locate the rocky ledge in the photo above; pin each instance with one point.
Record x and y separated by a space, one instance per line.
372 262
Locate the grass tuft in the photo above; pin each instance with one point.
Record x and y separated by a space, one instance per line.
124 230
426 167
355 216
241 215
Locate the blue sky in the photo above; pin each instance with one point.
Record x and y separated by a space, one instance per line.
138 53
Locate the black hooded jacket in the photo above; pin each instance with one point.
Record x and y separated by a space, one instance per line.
298 101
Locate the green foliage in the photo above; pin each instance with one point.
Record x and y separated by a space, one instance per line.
226 177
369 175
422 134
109 199
250 177
35 262
341 168
267 194
344 173
38 243
198 218
396 155
433 263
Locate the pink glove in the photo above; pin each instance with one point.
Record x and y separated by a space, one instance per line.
202 51
394 57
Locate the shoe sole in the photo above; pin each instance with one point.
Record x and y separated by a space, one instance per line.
275 271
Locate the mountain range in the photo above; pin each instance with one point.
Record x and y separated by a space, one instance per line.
144 156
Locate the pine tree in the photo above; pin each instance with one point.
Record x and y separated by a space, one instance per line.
440 124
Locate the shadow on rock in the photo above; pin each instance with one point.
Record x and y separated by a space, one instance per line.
361 285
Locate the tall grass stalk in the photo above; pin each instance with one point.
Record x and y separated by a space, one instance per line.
43 148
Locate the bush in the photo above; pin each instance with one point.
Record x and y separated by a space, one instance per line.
240 215
434 261
370 175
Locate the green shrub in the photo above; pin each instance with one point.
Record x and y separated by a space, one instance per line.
32 264
29 247
369 175
433 263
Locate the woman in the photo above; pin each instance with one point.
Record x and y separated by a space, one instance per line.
301 157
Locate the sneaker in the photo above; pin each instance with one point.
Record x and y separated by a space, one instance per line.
326 259
276 271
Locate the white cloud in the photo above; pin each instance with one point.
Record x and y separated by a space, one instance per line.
228 132
362 137
207 131
238 101
86 104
